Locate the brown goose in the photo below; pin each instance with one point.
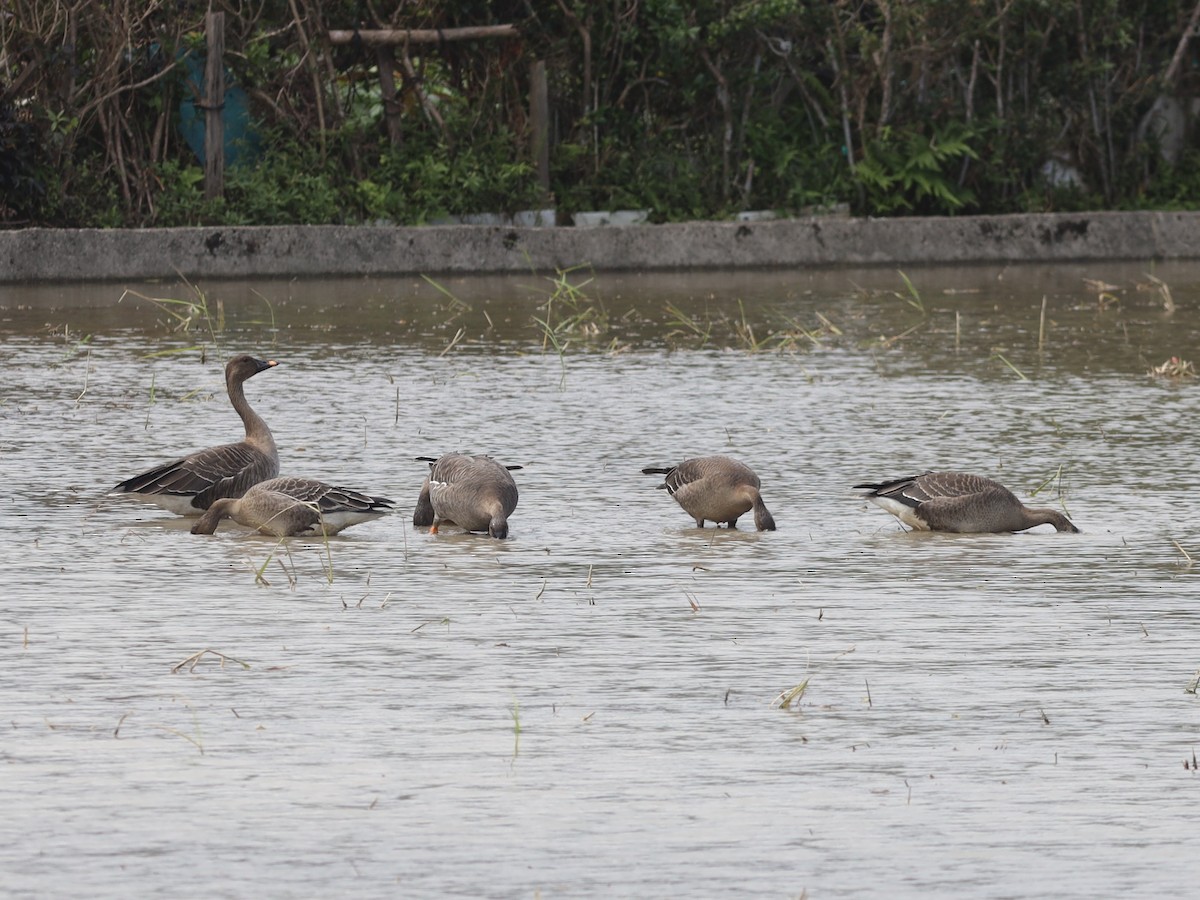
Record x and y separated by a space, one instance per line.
188 486
284 507
716 489
957 502
475 493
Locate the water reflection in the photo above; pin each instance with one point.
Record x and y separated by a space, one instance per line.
554 712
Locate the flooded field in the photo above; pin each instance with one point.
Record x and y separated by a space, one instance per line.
605 704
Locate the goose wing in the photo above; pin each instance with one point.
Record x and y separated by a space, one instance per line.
224 471
327 497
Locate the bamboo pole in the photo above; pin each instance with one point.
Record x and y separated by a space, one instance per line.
539 115
386 61
214 107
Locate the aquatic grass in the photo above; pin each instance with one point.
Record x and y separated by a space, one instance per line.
195 741
183 315
914 296
81 345
270 311
1174 368
1000 356
1054 478
1190 688
456 304
550 335
745 331
1186 555
887 342
1164 291
1042 326
453 341
259 576
515 712
791 695
445 620
194 660
581 316
689 323
1105 296
87 371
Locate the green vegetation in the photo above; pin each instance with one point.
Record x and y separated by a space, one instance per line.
688 109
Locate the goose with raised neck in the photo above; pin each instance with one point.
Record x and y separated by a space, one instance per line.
189 485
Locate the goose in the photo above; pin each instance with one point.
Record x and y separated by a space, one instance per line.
958 502
187 486
715 489
284 507
475 493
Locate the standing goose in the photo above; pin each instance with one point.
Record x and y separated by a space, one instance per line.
957 502
284 507
188 486
717 489
475 493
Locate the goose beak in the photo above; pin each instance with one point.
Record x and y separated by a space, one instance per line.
261 365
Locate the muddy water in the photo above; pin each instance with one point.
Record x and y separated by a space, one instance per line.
591 707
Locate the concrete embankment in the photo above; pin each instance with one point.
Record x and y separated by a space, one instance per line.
38 254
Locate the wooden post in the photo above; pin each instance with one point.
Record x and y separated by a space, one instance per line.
386 61
539 116
214 107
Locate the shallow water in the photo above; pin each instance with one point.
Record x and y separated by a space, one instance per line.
590 708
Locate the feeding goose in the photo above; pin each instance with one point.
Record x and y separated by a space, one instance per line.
284 507
188 485
475 493
716 489
958 502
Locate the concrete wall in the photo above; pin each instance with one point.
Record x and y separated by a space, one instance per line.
67 255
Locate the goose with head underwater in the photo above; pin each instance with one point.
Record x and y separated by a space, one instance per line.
717 489
959 502
285 507
476 493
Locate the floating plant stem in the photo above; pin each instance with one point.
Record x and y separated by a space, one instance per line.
1042 326
192 661
1003 359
